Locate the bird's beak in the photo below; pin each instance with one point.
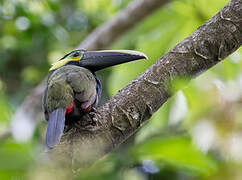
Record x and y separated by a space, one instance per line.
97 60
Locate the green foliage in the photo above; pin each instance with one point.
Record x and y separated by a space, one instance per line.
172 153
178 152
5 107
15 159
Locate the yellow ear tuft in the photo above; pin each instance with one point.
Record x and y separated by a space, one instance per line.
59 64
62 62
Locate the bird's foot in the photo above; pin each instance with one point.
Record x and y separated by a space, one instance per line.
92 115
89 122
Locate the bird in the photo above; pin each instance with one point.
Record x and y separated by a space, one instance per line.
73 89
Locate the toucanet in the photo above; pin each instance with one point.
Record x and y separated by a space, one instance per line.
73 88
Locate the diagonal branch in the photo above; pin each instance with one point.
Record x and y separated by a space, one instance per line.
29 112
133 14
122 115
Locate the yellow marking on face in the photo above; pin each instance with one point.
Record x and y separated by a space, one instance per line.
63 62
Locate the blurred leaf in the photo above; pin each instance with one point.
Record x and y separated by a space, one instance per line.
6 110
177 151
15 160
32 74
105 169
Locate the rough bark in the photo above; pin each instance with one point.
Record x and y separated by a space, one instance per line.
30 110
123 114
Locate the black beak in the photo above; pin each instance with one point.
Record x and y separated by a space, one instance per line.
97 60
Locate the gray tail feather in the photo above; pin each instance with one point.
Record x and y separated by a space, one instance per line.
55 127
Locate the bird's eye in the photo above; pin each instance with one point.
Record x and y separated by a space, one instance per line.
76 54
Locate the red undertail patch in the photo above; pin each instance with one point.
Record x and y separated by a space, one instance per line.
70 108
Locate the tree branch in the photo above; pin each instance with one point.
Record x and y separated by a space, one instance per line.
122 115
30 110
126 19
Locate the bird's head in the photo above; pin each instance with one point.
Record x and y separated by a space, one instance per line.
97 60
